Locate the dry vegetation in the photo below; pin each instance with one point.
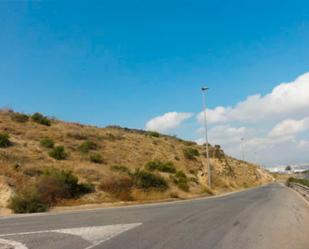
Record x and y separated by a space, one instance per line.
118 164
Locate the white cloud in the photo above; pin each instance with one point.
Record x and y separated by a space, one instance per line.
167 121
217 115
225 134
273 125
289 127
303 144
285 99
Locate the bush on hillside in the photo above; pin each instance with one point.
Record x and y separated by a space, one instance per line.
47 143
190 153
52 189
96 158
77 135
61 184
112 137
86 146
290 180
4 140
120 168
58 153
119 187
147 180
40 119
19 117
181 180
153 134
161 166
53 186
32 171
27 201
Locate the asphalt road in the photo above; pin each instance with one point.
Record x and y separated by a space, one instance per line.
271 216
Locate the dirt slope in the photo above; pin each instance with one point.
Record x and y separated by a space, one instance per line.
119 150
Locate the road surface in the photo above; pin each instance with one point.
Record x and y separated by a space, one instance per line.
271 216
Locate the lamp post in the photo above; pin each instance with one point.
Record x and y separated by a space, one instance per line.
245 171
242 149
204 89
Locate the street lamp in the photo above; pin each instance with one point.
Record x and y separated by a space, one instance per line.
242 148
204 89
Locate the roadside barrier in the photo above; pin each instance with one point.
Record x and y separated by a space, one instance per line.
303 190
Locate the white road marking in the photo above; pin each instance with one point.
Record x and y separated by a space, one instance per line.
14 244
95 234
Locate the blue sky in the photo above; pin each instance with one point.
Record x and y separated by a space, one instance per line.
126 62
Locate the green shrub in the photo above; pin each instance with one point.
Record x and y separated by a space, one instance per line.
47 143
147 180
68 182
4 140
27 201
19 117
58 153
180 174
86 146
304 182
190 153
183 185
120 168
152 165
96 158
52 186
40 119
181 180
194 179
161 166
153 134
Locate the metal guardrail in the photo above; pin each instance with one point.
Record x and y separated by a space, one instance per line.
303 190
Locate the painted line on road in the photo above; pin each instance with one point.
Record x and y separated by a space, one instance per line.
15 244
95 235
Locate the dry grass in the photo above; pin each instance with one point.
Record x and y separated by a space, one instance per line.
23 161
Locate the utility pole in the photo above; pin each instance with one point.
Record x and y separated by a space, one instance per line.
242 149
204 89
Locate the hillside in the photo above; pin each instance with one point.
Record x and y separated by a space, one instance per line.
106 159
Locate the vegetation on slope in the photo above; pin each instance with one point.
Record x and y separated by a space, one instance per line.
117 164
304 182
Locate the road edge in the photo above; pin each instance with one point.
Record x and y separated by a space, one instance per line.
297 193
164 202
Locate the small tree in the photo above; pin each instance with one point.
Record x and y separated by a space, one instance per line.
288 168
